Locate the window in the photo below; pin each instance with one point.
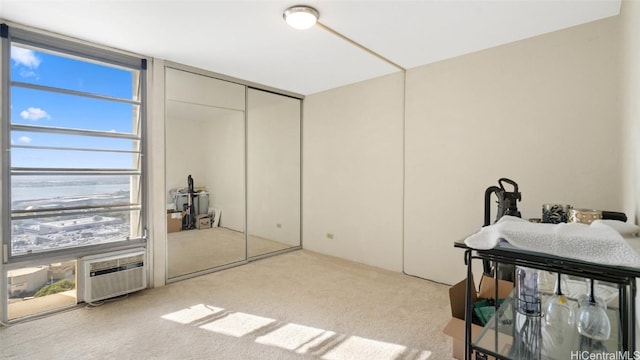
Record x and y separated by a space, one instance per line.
73 120
41 288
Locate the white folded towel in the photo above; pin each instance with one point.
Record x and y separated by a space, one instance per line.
597 244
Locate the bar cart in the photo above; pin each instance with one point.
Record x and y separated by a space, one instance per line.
499 338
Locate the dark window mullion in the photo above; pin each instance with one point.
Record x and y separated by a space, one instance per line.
75 50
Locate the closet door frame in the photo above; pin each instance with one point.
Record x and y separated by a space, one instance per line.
160 226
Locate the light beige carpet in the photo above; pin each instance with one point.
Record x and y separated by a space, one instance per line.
196 250
300 305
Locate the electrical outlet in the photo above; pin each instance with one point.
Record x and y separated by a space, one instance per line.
279 226
329 236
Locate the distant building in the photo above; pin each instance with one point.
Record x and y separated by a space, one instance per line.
61 271
77 224
26 280
50 239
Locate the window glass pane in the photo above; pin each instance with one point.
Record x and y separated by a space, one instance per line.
41 288
29 138
44 68
72 159
58 232
42 108
51 133
64 191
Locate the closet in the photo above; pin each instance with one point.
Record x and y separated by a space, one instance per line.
240 144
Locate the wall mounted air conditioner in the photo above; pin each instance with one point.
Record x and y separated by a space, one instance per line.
114 274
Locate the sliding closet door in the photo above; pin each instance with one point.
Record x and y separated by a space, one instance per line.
205 139
273 172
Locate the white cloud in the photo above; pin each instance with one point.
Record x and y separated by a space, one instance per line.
25 57
24 139
34 114
29 74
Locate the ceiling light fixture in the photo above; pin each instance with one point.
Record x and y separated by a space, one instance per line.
301 17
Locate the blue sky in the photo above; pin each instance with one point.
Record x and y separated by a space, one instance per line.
43 108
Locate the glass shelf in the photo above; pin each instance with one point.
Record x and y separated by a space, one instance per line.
511 335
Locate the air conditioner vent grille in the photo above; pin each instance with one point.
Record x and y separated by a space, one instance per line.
114 274
109 266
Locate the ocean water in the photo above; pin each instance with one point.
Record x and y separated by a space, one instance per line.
49 187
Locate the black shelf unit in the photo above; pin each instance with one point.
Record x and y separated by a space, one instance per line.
504 253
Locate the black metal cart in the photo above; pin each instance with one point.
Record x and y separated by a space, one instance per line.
491 340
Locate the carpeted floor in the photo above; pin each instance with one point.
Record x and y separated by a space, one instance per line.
292 306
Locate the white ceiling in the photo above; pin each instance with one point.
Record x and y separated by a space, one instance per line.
249 39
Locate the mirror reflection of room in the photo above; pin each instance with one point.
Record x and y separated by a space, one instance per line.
273 172
205 187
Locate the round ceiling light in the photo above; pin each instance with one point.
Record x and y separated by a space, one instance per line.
301 17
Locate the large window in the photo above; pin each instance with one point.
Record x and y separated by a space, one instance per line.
72 122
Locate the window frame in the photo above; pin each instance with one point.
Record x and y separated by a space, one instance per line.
10 34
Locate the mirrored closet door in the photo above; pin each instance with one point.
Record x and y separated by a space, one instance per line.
273 172
205 172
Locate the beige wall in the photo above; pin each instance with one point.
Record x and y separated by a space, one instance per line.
630 44
205 139
542 111
224 160
630 113
208 143
273 167
352 172
184 137
157 202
